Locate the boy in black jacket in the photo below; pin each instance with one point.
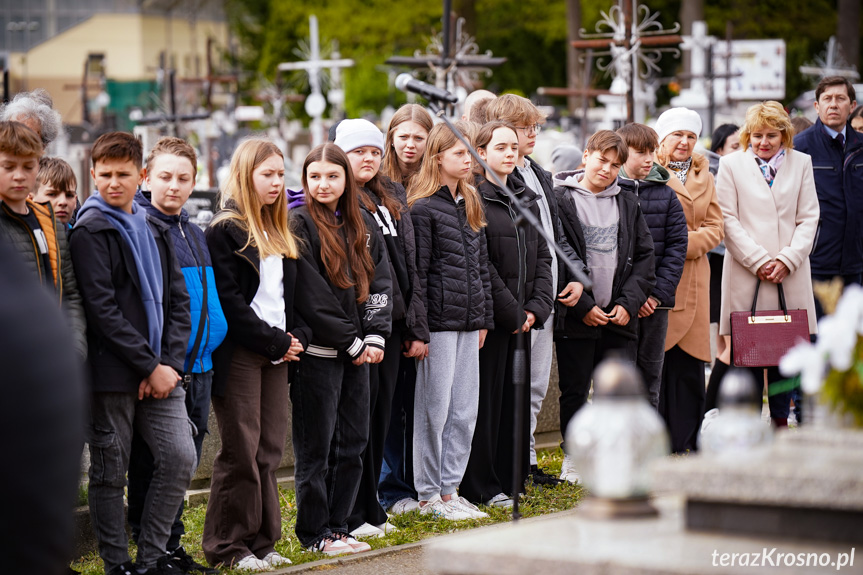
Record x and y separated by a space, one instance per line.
607 230
648 181
138 326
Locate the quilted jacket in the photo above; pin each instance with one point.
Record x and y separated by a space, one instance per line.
667 223
452 262
61 274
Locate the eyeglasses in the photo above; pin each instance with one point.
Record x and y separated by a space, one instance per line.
536 128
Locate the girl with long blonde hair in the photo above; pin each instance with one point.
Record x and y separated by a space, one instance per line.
452 263
264 287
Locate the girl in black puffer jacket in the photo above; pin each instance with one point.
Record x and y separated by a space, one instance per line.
513 266
452 263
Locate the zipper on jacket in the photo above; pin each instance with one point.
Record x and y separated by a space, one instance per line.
205 313
466 263
522 250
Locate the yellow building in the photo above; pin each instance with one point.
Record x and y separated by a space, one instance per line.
118 46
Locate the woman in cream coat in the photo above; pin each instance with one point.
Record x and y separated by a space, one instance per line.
687 342
767 195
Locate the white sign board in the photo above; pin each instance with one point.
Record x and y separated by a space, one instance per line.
760 65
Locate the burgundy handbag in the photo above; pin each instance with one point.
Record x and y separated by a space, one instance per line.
761 338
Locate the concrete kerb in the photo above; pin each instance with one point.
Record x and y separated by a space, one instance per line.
374 554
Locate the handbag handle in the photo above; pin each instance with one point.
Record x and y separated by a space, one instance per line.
781 298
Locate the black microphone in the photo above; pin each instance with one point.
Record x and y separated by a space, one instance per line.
407 83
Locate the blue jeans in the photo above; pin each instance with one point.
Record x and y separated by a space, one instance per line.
396 481
330 400
141 459
164 426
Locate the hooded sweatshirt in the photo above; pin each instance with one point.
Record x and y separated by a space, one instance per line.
600 218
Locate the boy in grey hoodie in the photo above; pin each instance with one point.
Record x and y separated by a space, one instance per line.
608 232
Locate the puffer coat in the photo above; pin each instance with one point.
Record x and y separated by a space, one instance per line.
452 262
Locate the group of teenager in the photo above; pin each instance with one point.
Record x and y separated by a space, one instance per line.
377 310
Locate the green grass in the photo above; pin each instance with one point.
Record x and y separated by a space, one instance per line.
412 526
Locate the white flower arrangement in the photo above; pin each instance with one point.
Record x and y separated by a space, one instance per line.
833 366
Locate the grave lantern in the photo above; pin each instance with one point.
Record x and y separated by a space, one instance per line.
614 440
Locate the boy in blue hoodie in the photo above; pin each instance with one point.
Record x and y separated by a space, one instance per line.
648 181
138 326
170 177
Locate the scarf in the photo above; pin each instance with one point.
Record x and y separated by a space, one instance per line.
771 166
135 231
680 169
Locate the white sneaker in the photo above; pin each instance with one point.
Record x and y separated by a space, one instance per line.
405 505
357 546
275 559
440 508
568 471
252 563
332 545
463 504
367 530
387 528
500 500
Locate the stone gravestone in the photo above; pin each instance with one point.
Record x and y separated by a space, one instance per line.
795 507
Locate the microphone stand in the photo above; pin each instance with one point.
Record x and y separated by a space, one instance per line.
519 362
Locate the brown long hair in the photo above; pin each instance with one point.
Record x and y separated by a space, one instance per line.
241 204
484 136
347 265
427 181
382 187
407 113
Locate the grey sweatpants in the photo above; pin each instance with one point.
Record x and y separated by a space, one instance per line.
445 408
541 350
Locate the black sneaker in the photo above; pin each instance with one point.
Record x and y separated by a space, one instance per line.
540 477
127 568
164 566
187 564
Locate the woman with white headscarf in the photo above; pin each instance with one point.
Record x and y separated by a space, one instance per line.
687 343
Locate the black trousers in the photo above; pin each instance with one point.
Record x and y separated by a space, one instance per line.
490 468
681 398
382 384
576 360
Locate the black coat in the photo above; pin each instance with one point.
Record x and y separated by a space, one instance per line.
371 318
120 356
310 307
452 262
667 223
838 173
510 261
633 280
401 248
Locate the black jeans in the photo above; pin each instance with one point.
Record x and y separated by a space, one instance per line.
576 360
330 400
382 384
397 470
141 464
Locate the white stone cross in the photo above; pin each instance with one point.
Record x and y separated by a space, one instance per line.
698 42
315 102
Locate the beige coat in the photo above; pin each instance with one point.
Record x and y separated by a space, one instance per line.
763 223
689 321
